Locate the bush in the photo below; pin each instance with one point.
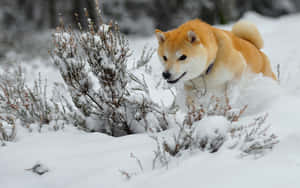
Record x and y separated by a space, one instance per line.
7 129
32 105
93 64
211 126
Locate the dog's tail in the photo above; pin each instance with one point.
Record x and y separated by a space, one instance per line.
248 31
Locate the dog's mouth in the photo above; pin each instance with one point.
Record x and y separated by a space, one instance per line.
176 80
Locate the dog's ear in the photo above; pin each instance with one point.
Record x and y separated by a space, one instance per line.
160 36
192 37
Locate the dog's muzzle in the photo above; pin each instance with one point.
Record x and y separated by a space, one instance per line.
176 80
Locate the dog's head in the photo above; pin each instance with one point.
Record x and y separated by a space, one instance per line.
182 53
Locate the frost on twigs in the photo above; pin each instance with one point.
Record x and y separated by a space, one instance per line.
28 105
32 105
211 128
7 129
253 138
128 175
93 64
146 56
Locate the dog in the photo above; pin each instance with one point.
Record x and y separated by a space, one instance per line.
196 50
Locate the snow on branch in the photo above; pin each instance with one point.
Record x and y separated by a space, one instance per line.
93 64
7 129
212 127
32 105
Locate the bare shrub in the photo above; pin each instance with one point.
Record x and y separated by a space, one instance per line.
93 64
250 139
7 129
29 105
146 56
32 105
214 106
128 175
253 138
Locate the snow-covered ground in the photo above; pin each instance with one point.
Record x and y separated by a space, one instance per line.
78 159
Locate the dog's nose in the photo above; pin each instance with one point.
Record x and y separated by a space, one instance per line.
166 75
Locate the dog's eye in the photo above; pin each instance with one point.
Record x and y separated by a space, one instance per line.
165 58
181 58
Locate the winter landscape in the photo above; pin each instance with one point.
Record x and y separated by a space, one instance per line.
63 123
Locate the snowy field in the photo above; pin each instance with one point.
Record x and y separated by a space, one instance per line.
76 159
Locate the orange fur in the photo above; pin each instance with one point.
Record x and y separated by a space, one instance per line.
249 32
232 52
227 42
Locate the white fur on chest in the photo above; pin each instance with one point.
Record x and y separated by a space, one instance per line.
213 80
219 77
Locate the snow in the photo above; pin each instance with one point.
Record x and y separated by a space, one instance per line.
211 126
104 28
78 159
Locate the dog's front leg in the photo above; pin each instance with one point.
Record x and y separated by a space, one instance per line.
190 96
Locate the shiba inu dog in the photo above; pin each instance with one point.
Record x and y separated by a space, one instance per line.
196 50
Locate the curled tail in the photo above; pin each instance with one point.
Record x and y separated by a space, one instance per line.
248 31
